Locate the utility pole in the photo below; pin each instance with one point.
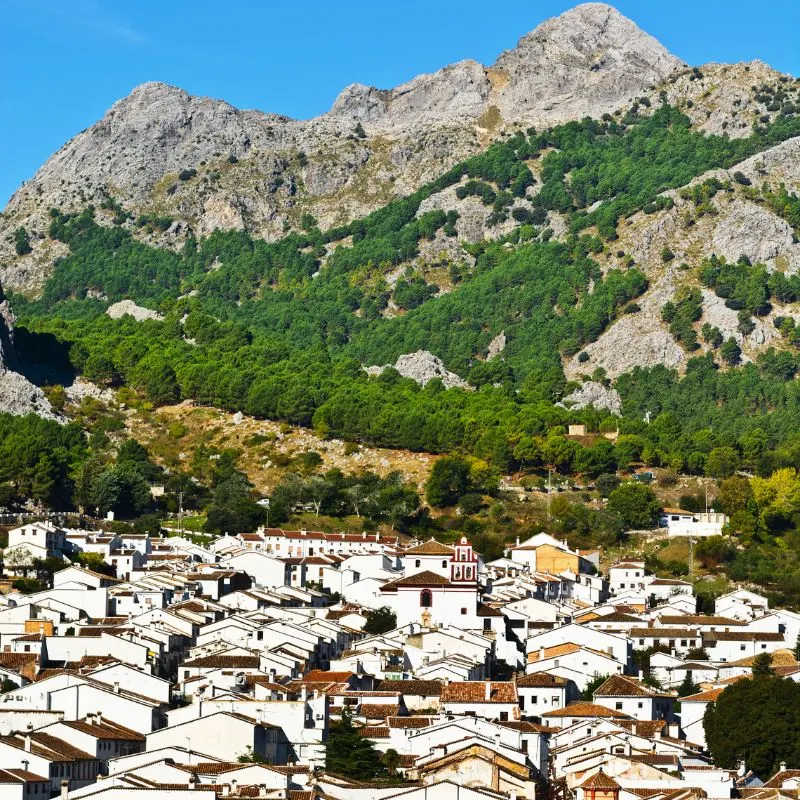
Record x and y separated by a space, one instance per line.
691 557
180 512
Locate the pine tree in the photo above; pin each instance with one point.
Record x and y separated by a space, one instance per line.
350 754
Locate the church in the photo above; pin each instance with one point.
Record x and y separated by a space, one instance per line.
439 586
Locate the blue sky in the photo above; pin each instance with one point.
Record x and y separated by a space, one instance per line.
65 62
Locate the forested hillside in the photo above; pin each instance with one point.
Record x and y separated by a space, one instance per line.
282 330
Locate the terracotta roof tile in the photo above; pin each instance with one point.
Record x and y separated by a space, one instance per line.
412 687
623 686
583 709
378 711
430 548
600 781
475 692
540 679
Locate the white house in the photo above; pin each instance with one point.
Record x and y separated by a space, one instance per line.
688 523
541 691
634 698
487 699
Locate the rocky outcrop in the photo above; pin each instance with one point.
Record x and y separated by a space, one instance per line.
17 394
423 367
594 394
209 165
129 308
582 63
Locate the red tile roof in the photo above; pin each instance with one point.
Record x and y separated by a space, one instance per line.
475 692
430 548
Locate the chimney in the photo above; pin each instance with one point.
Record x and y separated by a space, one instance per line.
28 744
90 718
541 654
226 790
272 675
262 789
641 674
234 786
116 687
98 778
633 729
192 781
487 690
304 693
64 789
98 718
782 767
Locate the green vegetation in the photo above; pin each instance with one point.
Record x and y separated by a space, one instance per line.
349 754
380 621
749 721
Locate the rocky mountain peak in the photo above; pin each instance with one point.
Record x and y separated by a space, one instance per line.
588 58
206 165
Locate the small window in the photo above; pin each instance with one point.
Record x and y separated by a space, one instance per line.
618 705
417 563
425 598
463 610
504 716
444 563
641 705
742 647
534 699
522 702
683 642
524 745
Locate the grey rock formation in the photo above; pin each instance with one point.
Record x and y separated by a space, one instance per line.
423 367
257 171
589 58
17 394
129 308
594 394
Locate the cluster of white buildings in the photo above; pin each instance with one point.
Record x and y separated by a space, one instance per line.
218 670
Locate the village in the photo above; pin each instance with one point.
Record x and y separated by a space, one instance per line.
226 670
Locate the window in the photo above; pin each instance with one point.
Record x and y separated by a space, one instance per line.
554 701
463 610
487 624
641 705
522 702
524 745
417 563
618 705
444 563
504 716
742 647
672 643
425 598
683 642
534 699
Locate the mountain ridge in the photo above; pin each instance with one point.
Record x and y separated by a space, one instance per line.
260 172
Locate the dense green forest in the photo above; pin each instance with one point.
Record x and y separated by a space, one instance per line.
281 330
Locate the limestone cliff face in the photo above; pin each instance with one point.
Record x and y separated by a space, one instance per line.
209 165
17 394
